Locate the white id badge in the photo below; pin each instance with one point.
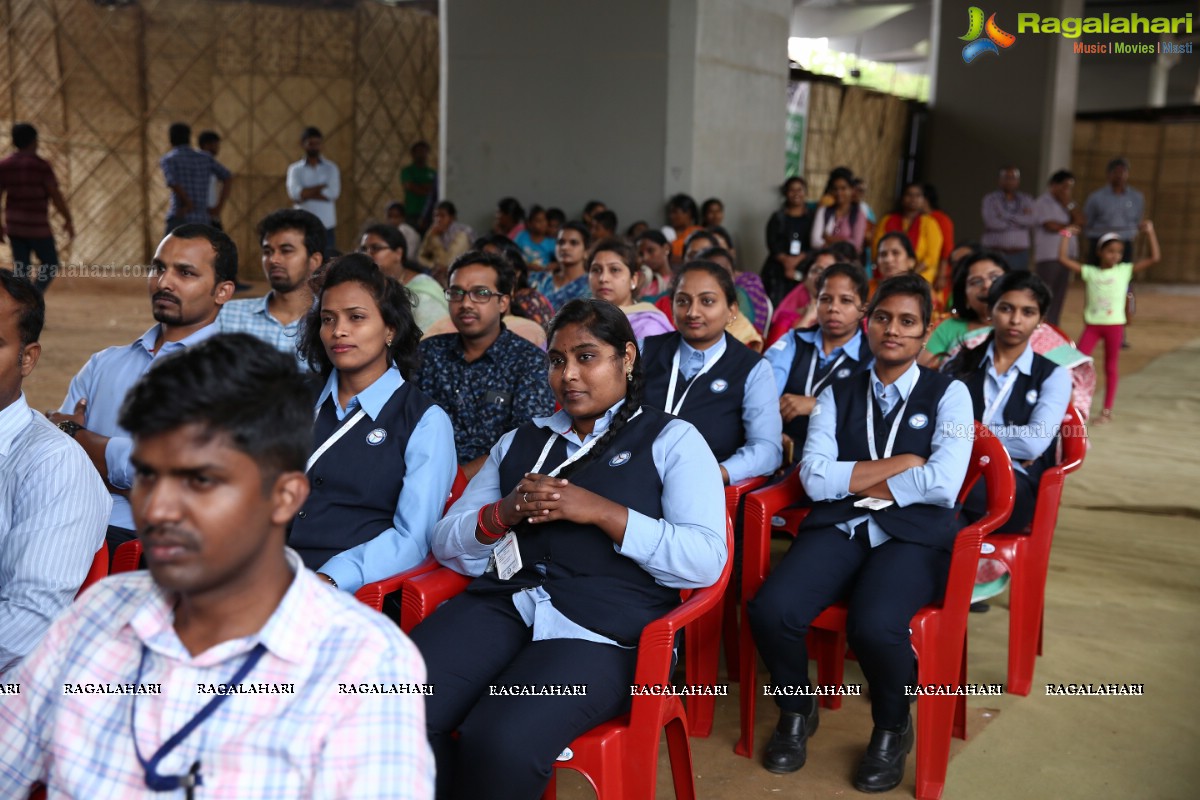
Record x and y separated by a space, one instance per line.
508 556
794 247
874 503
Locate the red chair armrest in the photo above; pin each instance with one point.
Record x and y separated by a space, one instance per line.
422 594
372 594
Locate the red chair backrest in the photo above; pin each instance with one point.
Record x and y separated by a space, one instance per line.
990 461
128 557
1074 438
98 570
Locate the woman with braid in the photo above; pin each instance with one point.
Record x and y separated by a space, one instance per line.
612 507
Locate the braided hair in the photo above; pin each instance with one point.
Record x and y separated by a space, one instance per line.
610 325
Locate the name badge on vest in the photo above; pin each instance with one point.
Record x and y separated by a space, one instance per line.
376 436
719 385
918 421
1031 396
508 557
620 458
843 373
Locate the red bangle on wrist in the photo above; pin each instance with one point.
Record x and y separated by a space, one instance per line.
496 517
483 528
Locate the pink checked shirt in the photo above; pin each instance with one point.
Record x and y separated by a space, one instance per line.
336 734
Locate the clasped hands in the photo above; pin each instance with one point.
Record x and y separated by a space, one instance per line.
540 498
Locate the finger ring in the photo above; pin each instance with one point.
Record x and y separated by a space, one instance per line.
525 497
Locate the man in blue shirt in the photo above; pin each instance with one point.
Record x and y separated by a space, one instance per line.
293 248
314 183
53 506
188 173
191 277
488 379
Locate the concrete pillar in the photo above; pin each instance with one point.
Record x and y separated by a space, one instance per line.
1016 107
562 101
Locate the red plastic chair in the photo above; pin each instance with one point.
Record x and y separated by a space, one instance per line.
761 507
98 570
128 557
938 630
619 758
372 594
1027 557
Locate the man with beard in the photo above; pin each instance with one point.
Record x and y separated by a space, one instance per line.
293 246
191 277
487 378
314 184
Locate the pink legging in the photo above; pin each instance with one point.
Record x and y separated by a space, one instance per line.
1112 336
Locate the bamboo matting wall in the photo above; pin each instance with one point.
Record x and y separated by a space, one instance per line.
859 129
1163 159
102 85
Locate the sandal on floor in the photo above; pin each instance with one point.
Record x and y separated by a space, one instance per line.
1106 415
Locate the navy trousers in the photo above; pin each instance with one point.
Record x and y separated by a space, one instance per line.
883 586
507 745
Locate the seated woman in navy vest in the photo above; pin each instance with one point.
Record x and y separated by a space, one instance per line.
702 374
886 455
612 508
383 458
807 360
1020 395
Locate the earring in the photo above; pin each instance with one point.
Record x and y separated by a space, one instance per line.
629 374
389 341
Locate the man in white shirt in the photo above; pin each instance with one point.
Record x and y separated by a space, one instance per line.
314 184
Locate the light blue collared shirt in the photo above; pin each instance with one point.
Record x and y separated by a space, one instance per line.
684 549
53 512
430 465
781 354
936 483
1029 441
253 316
104 381
762 452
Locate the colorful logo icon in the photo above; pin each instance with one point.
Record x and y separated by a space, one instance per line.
996 38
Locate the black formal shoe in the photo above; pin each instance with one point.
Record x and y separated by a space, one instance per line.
979 608
882 768
787 750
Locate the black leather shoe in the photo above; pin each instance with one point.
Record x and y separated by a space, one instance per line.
882 768
788 749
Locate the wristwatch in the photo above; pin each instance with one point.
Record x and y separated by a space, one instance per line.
70 427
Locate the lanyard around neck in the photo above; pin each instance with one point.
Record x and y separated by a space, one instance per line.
342 430
580 453
891 440
809 389
675 379
169 783
1000 397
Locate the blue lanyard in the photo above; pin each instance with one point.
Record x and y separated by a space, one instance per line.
169 783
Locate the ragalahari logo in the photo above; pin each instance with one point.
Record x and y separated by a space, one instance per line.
996 38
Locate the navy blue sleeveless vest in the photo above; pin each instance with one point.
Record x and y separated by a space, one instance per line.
1018 408
589 582
714 405
921 523
804 355
356 482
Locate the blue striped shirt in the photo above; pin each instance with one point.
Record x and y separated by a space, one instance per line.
104 381
53 512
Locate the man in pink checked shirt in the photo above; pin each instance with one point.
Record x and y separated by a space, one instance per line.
228 670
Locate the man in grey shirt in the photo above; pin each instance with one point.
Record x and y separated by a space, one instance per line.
1007 218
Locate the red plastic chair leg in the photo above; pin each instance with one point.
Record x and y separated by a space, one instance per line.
934 715
748 688
1026 600
702 653
729 636
681 760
